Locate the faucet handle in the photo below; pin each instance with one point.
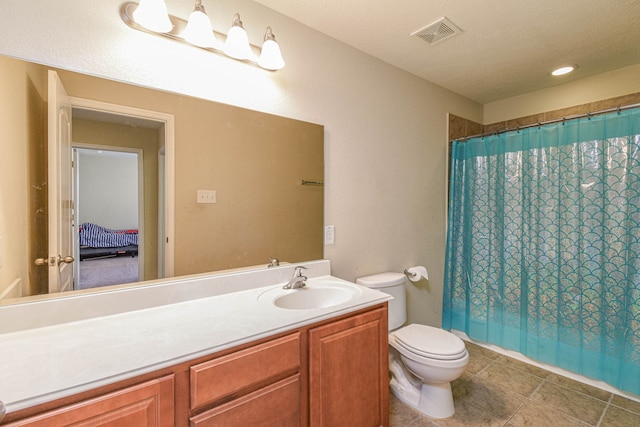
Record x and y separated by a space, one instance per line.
298 270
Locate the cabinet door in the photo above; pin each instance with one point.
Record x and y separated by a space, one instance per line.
277 405
348 372
146 404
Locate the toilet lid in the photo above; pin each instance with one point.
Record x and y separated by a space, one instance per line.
430 342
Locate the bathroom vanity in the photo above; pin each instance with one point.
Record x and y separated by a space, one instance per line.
235 358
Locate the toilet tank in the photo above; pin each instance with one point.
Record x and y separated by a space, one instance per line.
392 284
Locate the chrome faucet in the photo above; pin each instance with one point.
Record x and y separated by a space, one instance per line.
298 280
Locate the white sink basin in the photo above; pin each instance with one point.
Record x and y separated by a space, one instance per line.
318 293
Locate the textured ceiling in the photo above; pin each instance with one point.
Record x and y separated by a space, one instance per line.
507 48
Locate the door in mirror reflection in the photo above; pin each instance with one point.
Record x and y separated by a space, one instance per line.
130 219
61 254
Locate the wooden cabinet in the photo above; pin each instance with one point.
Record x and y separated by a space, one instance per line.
331 373
348 373
148 404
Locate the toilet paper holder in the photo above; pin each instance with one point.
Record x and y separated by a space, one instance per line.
416 273
410 274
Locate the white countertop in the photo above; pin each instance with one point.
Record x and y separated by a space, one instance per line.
45 363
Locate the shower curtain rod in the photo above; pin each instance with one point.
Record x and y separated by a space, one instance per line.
562 119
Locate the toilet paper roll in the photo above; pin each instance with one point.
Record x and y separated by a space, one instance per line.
416 273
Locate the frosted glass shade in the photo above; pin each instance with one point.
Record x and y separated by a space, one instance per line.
237 43
198 31
153 15
270 57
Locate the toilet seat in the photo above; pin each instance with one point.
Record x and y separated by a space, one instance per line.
430 342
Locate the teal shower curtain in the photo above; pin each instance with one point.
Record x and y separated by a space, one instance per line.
543 244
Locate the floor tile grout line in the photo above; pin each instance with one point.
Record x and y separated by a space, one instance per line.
516 411
606 403
580 392
606 408
527 400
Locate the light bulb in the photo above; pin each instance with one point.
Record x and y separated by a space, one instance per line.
198 31
153 15
563 70
270 56
237 43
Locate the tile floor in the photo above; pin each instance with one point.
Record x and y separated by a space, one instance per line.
496 390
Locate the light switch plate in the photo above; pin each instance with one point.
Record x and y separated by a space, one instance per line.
206 196
329 234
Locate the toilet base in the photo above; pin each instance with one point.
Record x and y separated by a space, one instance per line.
433 400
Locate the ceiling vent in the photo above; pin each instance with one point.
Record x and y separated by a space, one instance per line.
438 31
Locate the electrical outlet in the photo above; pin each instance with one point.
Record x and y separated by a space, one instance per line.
206 196
329 234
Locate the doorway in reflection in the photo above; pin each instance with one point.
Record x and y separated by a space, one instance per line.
118 206
107 203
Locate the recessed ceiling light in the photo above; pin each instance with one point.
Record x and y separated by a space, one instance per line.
563 70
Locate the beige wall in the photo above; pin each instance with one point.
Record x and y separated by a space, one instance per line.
256 163
22 120
599 87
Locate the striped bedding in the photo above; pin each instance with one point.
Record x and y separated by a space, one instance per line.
95 236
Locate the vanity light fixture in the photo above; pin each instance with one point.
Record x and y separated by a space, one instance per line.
151 16
563 70
199 31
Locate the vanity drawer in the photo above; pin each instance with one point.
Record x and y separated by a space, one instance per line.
257 408
252 367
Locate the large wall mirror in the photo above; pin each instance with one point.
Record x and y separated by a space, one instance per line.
238 193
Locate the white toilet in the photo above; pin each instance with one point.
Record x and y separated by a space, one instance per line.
423 360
